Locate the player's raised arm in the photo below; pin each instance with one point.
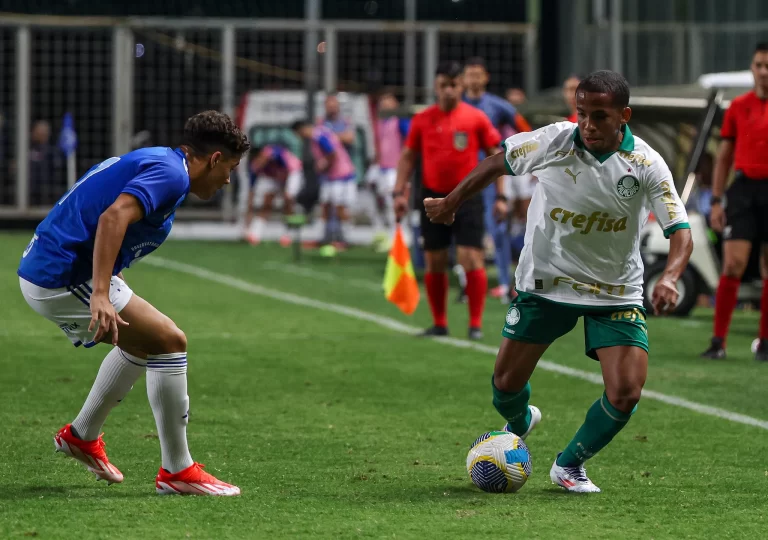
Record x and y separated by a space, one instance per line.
523 153
109 237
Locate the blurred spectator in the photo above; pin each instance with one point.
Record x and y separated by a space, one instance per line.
45 186
516 96
336 123
569 95
700 199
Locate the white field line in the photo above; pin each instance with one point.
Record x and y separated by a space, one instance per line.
323 276
392 324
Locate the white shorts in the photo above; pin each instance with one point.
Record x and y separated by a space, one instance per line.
385 184
269 186
69 307
338 192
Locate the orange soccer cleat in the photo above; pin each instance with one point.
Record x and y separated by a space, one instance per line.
89 453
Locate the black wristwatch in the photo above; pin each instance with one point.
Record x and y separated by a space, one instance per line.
715 200
502 198
397 194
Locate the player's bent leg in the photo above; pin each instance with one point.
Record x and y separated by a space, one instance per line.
515 363
472 260
625 368
153 334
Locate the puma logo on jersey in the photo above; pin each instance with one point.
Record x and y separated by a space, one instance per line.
586 223
569 173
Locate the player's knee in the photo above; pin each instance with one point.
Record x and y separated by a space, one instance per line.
625 396
508 380
173 340
734 268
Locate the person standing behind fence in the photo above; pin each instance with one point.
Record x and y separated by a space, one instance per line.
501 113
743 221
449 137
337 177
569 95
391 132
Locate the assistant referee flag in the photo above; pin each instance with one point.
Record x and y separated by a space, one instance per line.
400 286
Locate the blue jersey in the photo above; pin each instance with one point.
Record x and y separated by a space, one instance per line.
61 251
499 111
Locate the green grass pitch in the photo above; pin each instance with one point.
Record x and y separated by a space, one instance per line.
337 427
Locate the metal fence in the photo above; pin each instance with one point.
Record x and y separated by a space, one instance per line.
659 42
140 78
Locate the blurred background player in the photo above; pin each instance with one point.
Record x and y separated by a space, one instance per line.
569 95
744 221
501 113
391 132
71 274
337 178
515 96
449 137
274 170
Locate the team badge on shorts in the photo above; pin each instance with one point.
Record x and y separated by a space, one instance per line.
460 140
513 316
627 186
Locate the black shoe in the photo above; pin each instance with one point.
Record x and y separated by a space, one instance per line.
475 334
462 298
716 350
761 355
434 331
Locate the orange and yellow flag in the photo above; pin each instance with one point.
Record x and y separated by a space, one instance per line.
400 286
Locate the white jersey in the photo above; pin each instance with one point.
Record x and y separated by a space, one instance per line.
582 239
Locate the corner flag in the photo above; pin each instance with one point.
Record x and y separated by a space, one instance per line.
400 285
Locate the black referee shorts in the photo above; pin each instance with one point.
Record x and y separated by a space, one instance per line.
746 211
467 229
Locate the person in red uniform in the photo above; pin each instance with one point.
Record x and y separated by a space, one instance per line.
449 137
742 216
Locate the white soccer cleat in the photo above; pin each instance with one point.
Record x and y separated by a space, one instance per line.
535 419
192 481
573 479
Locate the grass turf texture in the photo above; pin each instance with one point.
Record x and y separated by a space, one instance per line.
339 428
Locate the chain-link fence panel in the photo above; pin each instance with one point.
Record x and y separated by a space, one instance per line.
7 116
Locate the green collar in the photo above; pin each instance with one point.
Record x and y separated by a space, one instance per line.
627 143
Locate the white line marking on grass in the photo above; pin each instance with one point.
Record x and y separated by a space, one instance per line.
392 324
322 276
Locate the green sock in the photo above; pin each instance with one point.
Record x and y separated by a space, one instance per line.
514 407
603 422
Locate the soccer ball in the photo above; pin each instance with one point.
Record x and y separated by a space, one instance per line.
499 462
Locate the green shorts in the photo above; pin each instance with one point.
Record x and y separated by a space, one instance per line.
534 319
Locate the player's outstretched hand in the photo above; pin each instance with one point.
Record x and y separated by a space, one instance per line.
104 318
438 211
664 297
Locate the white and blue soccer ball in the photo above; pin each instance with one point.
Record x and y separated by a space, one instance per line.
499 462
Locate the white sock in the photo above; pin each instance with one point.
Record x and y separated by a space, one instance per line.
167 391
257 227
389 210
117 373
461 274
